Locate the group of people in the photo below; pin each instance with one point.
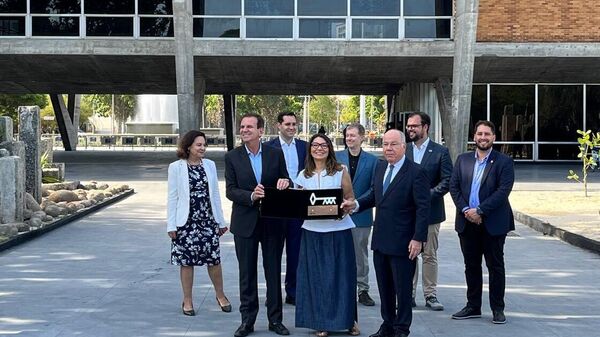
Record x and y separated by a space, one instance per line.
327 262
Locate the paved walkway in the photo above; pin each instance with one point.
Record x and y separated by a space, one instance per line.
108 275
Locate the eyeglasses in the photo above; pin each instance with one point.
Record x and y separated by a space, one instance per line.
322 146
413 126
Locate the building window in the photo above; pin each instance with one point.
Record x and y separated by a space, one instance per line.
107 26
558 151
217 7
374 29
13 6
375 7
55 6
156 26
323 28
512 110
560 112
217 27
427 29
269 7
592 119
156 7
428 7
110 7
12 25
478 108
322 7
55 26
269 28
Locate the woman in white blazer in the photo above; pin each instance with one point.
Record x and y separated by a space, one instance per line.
195 218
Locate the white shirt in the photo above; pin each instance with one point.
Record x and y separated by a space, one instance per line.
397 166
418 153
291 157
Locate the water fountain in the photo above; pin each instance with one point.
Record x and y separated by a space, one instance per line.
156 114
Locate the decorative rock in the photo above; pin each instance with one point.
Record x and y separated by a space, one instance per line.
62 195
12 189
86 203
93 201
27 213
90 187
96 195
6 129
46 202
31 204
4 153
16 149
70 185
9 230
29 133
47 148
54 210
39 214
124 187
81 194
108 194
22 227
61 204
35 222
71 208
47 218
52 172
102 186
45 192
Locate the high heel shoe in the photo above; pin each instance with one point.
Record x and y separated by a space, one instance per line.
354 331
226 307
191 312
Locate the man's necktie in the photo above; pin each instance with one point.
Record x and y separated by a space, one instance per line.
388 178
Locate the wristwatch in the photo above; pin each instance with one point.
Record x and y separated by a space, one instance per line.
479 211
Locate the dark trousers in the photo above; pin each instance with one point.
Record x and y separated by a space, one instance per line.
292 250
394 280
476 242
246 250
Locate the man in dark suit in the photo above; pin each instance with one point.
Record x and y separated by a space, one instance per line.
435 160
294 151
248 170
361 166
400 193
480 184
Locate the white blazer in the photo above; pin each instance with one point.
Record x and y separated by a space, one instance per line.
178 199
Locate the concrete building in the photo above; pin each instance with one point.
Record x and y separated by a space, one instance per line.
529 66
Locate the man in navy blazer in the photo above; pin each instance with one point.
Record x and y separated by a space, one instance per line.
400 193
361 166
480 185
435 160
294 151
248 170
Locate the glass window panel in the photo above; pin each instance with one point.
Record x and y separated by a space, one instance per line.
374 29
110 7
104 26
55 26
323 28
217 7
512 110
375 7
158 7
592 121
55 6
428 7
269 28
560 112
478 107
12 25
13 6
516 151
269 7
322 7
558 151
157 27
217 27
427 28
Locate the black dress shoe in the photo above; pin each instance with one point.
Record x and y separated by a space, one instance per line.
226 307
365 299
383 332
400 334
190 312
244 330
279 329
466 313
498 317
290 300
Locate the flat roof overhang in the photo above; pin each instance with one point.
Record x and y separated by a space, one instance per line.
278 67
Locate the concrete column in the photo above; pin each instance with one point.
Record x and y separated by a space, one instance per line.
456 126
29 133
6 129
184 65
12 189
65 117
199 90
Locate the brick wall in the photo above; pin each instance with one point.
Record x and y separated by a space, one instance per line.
539 21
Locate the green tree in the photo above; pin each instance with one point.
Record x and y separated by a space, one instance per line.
213 111
268 106
124 106
375 110
323 112
9 104
587 142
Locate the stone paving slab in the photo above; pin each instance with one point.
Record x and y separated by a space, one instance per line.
108 275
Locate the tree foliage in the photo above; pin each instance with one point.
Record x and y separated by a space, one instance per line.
213 111
375 109
101 104
587 143
268 106
323 113
9 104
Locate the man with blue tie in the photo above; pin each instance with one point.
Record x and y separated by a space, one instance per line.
294 151
361 166
435 160
480 185
400 193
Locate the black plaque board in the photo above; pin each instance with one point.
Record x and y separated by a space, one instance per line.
302 204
